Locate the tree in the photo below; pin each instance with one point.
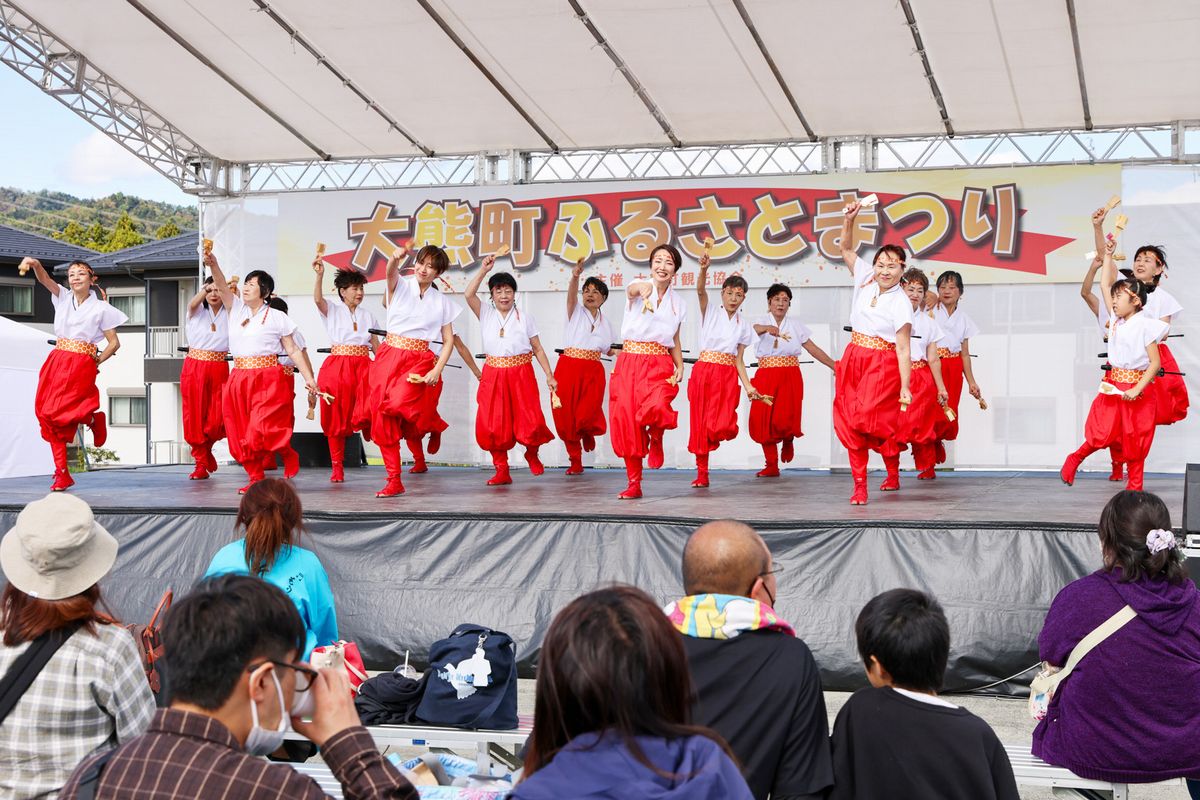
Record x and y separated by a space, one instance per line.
74 233
167 230
96 236
124 234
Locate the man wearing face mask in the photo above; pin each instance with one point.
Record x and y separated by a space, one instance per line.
232 647
756 684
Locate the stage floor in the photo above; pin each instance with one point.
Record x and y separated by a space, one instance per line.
799 496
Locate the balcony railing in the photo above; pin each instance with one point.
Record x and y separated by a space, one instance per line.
164 341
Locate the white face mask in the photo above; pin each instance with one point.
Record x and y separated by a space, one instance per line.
260 741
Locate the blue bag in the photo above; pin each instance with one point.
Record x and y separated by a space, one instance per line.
472 681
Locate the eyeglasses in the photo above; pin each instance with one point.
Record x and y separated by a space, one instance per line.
775 570
304 675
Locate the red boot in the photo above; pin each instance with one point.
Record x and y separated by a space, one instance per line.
939 449
99 426
201 471
536 467
589 443
1118 471
291 463
656 458
254 471
633 470
500 462
337 457
62 475
789 451
435 442
923 457
771 470
701 481
575 454
269 464
1136 468
858 469
418 467
391 463
1071 465
892 482
210 461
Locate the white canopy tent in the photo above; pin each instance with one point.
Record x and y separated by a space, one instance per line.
194 86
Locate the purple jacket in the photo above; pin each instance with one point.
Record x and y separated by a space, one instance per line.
601 768
1130 711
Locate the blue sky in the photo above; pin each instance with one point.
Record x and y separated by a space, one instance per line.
48 146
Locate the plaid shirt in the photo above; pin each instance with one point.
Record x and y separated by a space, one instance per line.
91 695
187 755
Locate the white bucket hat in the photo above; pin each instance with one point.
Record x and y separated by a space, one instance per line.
57 548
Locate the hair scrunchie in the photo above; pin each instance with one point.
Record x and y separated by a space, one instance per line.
1158 540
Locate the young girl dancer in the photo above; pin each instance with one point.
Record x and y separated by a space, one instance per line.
259 398
405 378
67 396
510 410
918 425
202 380
954 352
345 373
780 342
1149 266
872 380
1126 411
713 389
580 375
647 374
1102 316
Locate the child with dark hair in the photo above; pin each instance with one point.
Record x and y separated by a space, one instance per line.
780 342
1103 317
510 408
918 425
1123 411
898 738
202 379
259 398
954 352
713 390
1129 712
872 380
406 377
646 377
345 373
579 418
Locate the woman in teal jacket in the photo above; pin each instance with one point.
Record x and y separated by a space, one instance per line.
270 515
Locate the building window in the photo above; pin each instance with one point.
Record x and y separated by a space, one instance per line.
131 305
126 409
16 299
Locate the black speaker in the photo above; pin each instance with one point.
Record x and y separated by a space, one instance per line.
313 449
1191 520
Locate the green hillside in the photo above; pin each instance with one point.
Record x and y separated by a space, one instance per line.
106 224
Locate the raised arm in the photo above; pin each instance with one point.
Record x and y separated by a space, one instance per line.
573 288
197 300
318 266
701 284
540 354
39 271
472 290
849 251
1089 280
219 281
393 268
1108 273
1098 229
820 355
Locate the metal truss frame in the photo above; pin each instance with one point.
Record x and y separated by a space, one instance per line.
35 52
43 59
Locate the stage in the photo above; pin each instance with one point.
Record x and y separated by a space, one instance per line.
994 547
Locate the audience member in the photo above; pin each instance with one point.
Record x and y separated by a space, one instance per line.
270 514
92 692
612 714
898 739
1129 712
231 649
756 683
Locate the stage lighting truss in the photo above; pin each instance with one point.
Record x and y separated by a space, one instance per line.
35 53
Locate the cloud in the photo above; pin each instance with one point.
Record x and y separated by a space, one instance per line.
1181 193
98 160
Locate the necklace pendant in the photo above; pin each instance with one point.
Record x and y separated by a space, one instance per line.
874 300
776 345
245 322
502 333
214 327
355 326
